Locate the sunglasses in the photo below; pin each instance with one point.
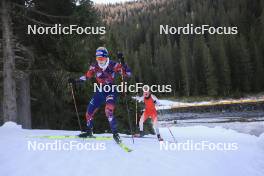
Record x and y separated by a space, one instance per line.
101 58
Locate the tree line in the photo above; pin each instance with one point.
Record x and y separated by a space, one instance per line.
195 65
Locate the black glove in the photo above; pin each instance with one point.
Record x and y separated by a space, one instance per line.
121 58
76 84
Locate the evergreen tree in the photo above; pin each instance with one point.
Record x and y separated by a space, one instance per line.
210 72
185 65
199 73
245 65
222 61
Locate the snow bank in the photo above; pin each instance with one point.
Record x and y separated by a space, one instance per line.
12 125
146 158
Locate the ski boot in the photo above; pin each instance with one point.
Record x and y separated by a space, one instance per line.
117 138
86 134
159 137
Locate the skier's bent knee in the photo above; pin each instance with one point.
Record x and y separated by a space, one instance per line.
109 110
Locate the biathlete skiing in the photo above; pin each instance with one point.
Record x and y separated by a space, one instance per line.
150 111
104 70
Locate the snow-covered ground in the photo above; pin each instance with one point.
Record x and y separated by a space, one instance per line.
250 122
254 128
147 158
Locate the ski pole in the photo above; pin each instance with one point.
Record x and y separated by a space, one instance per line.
128 113
129 120
136 113
169 129
136 80
75 105
172 135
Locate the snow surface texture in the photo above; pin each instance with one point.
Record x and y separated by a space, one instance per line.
145 159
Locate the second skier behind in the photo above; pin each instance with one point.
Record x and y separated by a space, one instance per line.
150 101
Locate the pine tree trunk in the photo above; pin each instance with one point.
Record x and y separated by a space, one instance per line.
9 97
23 101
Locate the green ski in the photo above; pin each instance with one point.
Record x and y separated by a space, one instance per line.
124 147
101 138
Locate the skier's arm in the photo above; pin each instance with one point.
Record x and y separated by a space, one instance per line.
156 100
140 99
89 74
126 70
122 67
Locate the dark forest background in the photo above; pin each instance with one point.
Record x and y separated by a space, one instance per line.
214 65
195 65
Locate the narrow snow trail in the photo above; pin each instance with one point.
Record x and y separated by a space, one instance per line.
147 158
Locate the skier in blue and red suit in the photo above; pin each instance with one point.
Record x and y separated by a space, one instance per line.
104 70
